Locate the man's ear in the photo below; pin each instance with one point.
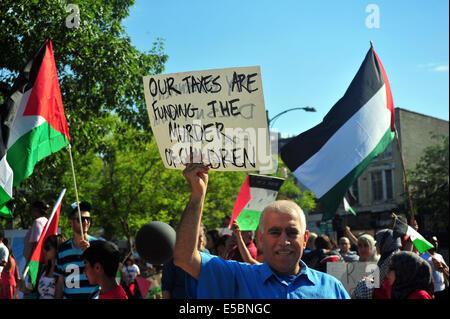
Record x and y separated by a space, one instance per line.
305 238
98 267
258 240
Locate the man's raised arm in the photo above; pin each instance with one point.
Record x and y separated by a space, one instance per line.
186 254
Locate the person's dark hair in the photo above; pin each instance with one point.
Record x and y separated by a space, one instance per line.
214 233
42 206
106 254
323 242
53 241
84 207
2 232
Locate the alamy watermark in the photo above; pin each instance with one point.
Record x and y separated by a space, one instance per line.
373 19
73 19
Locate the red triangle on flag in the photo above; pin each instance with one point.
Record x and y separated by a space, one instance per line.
45 99
242 200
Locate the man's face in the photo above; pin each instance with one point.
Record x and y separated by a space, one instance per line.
344 245
75 223
91 272
283 242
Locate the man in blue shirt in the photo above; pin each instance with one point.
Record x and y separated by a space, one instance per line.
282 237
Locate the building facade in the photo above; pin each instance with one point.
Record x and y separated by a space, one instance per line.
380 190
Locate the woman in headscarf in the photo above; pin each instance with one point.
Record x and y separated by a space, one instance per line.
386 246
366 249
410 277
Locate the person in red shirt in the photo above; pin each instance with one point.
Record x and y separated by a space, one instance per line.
102 260
410 277
233 246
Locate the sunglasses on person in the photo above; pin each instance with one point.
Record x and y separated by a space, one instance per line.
47 247
83 219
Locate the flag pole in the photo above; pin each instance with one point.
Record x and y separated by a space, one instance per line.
405 178
55 207
76 191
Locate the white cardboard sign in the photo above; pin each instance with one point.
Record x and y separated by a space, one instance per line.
217 115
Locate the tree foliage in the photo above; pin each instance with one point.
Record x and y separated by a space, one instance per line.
430 182
100 72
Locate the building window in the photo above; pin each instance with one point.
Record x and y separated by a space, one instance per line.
382 185
389 184
377 186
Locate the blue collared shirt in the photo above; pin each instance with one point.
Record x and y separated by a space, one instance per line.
231 279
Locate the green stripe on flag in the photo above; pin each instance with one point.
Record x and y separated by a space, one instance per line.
5 211
332 199
248 219
33 271
4 198
33 146
422 245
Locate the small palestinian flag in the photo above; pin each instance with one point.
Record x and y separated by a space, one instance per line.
50 228
348 208
256 193
33 124
401 229
328 158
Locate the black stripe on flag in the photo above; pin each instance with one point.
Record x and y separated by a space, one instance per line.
23 83
266 182
363 87
400 228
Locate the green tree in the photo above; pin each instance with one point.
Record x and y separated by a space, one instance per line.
100 72
429 183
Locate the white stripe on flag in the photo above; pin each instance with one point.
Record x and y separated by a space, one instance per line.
348 147
23 124
6 176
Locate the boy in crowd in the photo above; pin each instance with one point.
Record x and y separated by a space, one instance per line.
102 260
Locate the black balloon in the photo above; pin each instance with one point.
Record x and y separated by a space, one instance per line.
155 242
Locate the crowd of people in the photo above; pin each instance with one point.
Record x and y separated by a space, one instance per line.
283 260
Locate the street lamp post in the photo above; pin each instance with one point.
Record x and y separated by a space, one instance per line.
272 120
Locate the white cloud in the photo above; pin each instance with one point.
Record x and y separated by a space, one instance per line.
435 67
441 68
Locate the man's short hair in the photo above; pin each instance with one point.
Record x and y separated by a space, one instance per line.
84 207
106 254
283 207
42 206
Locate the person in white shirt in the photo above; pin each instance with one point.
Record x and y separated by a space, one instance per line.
4 251
38 212
437 265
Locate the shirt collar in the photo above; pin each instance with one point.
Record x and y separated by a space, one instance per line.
267 272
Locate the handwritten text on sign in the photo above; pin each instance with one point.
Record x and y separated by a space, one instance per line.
217 115
350 274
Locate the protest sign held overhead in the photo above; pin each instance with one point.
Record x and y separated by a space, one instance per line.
217 115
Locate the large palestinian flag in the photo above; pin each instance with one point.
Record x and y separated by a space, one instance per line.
328 158
33 124
256 193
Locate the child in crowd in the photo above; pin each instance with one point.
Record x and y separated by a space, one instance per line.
102 260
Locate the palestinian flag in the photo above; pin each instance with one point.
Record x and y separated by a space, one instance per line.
348 208
51 228
256 193
328 158
401 229
33 124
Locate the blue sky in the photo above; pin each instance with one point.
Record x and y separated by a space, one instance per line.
308 51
